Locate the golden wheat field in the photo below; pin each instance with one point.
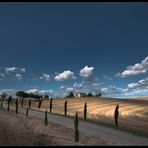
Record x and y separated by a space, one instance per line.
133 113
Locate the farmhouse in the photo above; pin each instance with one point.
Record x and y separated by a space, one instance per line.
81 95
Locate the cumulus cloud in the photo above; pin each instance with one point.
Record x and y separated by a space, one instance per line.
34 91
78 85
45 77
22 69
10 92
40 92
87 73
46 92
112 90
138 68
140 85
19 76
69 89
64 76
9 70
2 76
62 87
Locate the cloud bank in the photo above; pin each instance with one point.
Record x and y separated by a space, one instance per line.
45 77
137 69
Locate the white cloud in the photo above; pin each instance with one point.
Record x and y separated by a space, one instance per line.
78 85
87 73
10 69
19 76
66 75
46 92
111 90
40 92
69 89
14 70
34 91
2 76
138 68
132 85
22 69
45 77
10 92
62 87
140 85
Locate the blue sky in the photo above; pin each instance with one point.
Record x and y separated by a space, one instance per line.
56 48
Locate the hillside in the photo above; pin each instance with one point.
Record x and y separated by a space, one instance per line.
133 112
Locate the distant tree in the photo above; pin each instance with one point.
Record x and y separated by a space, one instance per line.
21 94
98 95
89 95
71 95
3 96
46 96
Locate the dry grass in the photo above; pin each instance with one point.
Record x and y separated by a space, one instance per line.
133 112
18 130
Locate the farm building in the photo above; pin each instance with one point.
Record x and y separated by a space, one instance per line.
81 95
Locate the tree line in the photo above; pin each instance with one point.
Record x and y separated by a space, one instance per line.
23 94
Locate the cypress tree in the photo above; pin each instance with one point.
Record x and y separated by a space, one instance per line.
50 107
16 103
76 132
39 105
65 108
46 118
2 100
9 100
22 102
29 104
27 110
85 111
116 115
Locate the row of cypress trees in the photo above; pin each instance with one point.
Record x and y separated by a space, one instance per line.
76 120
